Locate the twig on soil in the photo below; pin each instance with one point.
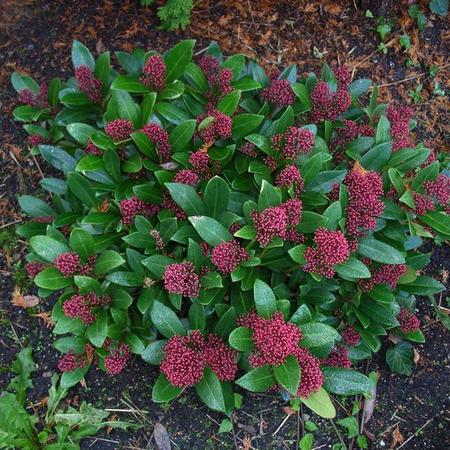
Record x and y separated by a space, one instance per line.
281 424
338 434
38 166
410 78
10 223
95 439
415 433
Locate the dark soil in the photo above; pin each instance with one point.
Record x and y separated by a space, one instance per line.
35 37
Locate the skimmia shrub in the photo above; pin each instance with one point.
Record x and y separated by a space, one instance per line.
226 225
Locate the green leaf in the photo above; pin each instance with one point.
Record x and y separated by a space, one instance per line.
268 196
197 317
257 380
346 381
130 279
129 84
153 353
225 426
383 134
23 366
98 330
177 58
107 261
423 285
377 157
306 442
172 113
81 56
216 196
228 103
379 251
80 132
209 389
103 68
400 358
244 124
265 300
187 198
297 253
320 403
241 339
157 264
302 93
285 121
21 82
352 268
126 107
359 87
82 189
35 207
438 220
165 320
317 334
82 243
52 279
163 391
69 379
439 7
47 247
181 135
210 230
288 374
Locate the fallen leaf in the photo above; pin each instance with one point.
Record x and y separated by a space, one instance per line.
369 405
416 356
161 437
47 318
246 443
23 301
397 438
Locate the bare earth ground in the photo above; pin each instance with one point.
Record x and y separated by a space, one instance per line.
35 37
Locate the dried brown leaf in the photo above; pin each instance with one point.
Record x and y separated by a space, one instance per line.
397 438
23 301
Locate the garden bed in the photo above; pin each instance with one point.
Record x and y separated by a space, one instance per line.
39 45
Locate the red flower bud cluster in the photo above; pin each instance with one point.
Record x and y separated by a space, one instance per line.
87 268
331 249
38 100
186 357
385 274
311 376
35 139
88 83
423 204
228 255
279 93
365 190
338 357
290 176
160 137
343 76
69 362
34 268
270 163
117 359
67 263
200 162
218 79
248 149
180 278
439 188
154 73
408 321
131 207
218 128
327 105
224 81
293 142
348 133
119 129
156 235
92 149
276 221
350 336
78 306
169 204
399 117
210 67
187 176
274 339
